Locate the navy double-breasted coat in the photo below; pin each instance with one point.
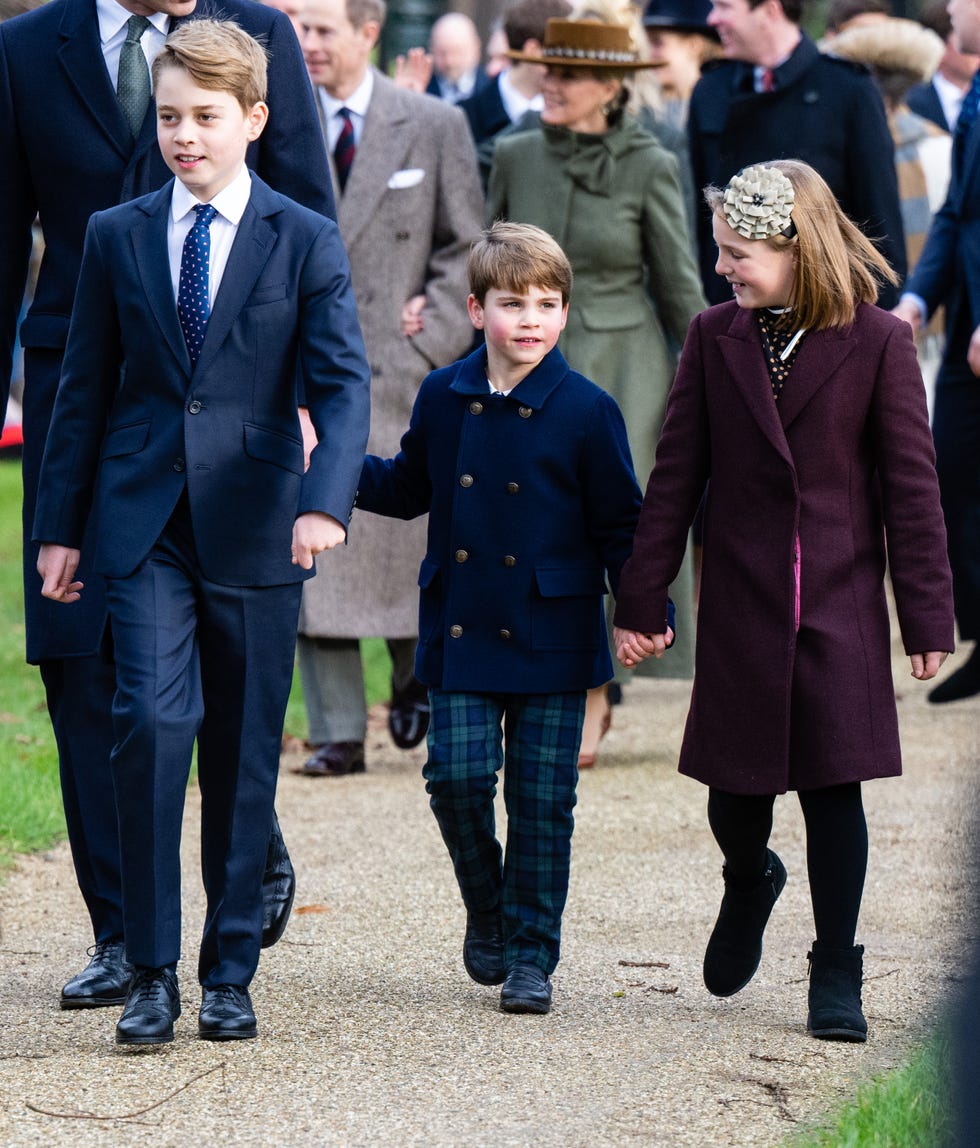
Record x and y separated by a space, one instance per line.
793 686
532 502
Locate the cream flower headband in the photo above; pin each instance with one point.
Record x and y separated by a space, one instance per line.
758 203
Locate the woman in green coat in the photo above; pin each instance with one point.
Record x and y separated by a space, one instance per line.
609 193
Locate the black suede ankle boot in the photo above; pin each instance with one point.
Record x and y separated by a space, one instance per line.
835 994
735 945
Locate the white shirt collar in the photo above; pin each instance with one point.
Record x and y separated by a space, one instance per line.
356 102
113 16
516 103
229 203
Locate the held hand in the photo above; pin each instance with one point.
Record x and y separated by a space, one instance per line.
57 565
313 533
973 352
413 70
411 317
309 436
633 648
926 666
908 311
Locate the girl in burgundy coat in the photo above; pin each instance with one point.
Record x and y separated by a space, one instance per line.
803 405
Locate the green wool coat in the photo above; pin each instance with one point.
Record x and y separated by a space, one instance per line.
613 202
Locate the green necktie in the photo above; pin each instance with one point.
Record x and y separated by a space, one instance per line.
133 87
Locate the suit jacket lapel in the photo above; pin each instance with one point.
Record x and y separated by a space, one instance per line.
248 256
819 356
385 141
741 349
80 55
153 264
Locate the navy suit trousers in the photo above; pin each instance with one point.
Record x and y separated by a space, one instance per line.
197 660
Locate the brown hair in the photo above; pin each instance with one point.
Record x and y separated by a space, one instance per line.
361 12
516 256
219 56
528 19
836 266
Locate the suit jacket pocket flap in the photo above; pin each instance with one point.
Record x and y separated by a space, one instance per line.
271 446
125 439
39 330
270 294
427 572
569 581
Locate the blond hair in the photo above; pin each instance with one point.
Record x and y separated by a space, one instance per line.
836 266
219 56
515 257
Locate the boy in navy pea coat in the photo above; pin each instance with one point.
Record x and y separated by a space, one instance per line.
524 469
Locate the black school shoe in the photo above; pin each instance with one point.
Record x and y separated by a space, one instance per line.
735 945
151 1008
526 989
483 948
408 717
104 981
226 1014
278 887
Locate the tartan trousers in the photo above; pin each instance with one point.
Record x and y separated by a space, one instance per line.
535 738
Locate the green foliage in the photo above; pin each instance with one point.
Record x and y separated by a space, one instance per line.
907 1108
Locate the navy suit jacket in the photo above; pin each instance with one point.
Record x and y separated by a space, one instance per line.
136 422
68 151
532 501
948 270
923 99
485 111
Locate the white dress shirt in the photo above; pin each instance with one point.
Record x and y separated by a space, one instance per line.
516 104
230 204
356 104
113 18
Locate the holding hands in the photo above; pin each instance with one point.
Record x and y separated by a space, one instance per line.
633 648
313 533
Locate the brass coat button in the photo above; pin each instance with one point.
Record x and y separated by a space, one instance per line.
510 560
512 488
476 408
505 634
466 480
462 555
524 412
455 631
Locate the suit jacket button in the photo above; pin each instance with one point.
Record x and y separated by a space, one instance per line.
505 634
466 480
178 465
462 555
455 631
476 408
524 412
512 488
510 560
194 407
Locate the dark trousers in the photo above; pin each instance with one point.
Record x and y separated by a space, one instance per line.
79 695
836 850
466 742
197 660
956 431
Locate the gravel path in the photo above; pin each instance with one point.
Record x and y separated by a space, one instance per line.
371 1034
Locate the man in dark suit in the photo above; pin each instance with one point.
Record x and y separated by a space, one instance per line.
948 272
176 429
776 96
69 150
454 45
940 99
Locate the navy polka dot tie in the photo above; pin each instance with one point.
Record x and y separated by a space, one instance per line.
193 304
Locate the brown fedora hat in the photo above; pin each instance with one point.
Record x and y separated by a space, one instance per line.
585 44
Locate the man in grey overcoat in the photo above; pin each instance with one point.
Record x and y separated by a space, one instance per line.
409 206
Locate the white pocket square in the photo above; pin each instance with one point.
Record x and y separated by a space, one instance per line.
407 177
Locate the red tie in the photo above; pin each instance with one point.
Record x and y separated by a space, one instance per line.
343 152
768 80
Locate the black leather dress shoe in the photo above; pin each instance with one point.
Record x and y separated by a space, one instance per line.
151 1008
335 759
104 981
226 1014
408 718
278 887
483 948
526 989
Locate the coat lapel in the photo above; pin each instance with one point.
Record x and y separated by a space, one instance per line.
80 55
153 265
248 256
386 140
819 356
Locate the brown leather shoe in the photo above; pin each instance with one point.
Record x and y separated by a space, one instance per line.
335 759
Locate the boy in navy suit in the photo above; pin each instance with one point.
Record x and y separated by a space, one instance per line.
176 431
524 469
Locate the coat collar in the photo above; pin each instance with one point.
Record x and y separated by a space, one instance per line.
250 251
532 391
821 353
789 71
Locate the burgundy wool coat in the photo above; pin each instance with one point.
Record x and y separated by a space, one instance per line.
793 685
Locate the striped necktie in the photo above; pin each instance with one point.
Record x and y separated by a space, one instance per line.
343 152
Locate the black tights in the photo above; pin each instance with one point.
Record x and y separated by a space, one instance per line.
836 850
